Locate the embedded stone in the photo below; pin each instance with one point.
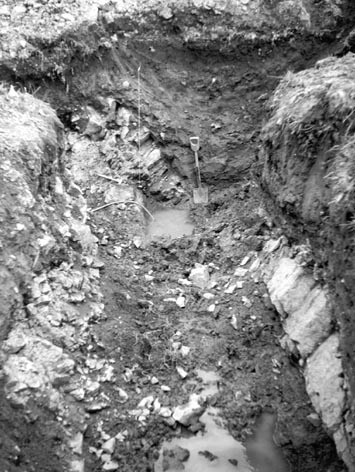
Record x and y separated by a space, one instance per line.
311 324
324 382
289 286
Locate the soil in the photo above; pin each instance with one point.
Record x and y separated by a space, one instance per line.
184 92
139 331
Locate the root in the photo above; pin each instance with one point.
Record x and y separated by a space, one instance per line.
130 202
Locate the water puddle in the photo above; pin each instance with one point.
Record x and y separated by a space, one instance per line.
261 449
212 450
171 223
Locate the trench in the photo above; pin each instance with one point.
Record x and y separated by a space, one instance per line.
219 99
157 321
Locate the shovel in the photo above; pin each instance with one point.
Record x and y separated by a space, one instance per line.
200 193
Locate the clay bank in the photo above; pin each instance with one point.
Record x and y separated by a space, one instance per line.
143 329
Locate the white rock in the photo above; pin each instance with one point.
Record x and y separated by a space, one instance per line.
234 322
185 282
154 381
123 116
175 345
166 13
146 402
185 351
142 418
153 158
240 272
46 240
19 10
109 445
92 387
110 466
211 308
68 17
181 301
156 406
188 413
208 296
121 436
324 382
170 299
231 289
245 261
15 341
77 466
137 241
314 419
246 302
165 412
272 245
182 372
5 10
123 395
105 457
200 276
78 394
311 324
165 388
289 286
255 265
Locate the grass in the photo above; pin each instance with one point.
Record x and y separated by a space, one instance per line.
312 101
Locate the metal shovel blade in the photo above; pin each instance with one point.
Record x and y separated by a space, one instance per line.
200 195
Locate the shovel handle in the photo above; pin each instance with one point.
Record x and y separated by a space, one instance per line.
198 170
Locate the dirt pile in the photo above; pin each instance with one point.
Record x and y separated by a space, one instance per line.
309 172
41 39
31 144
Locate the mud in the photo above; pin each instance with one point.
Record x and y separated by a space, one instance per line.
230 326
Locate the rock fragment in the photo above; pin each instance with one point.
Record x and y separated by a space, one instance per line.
240 272
182 372
200 276
110 466
234 322
181 301
190 412
109 446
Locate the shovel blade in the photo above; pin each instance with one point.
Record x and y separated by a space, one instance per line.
200 195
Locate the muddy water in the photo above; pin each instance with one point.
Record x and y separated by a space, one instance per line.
228 455
261 449
171 223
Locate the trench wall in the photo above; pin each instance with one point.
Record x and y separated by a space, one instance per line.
308 145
